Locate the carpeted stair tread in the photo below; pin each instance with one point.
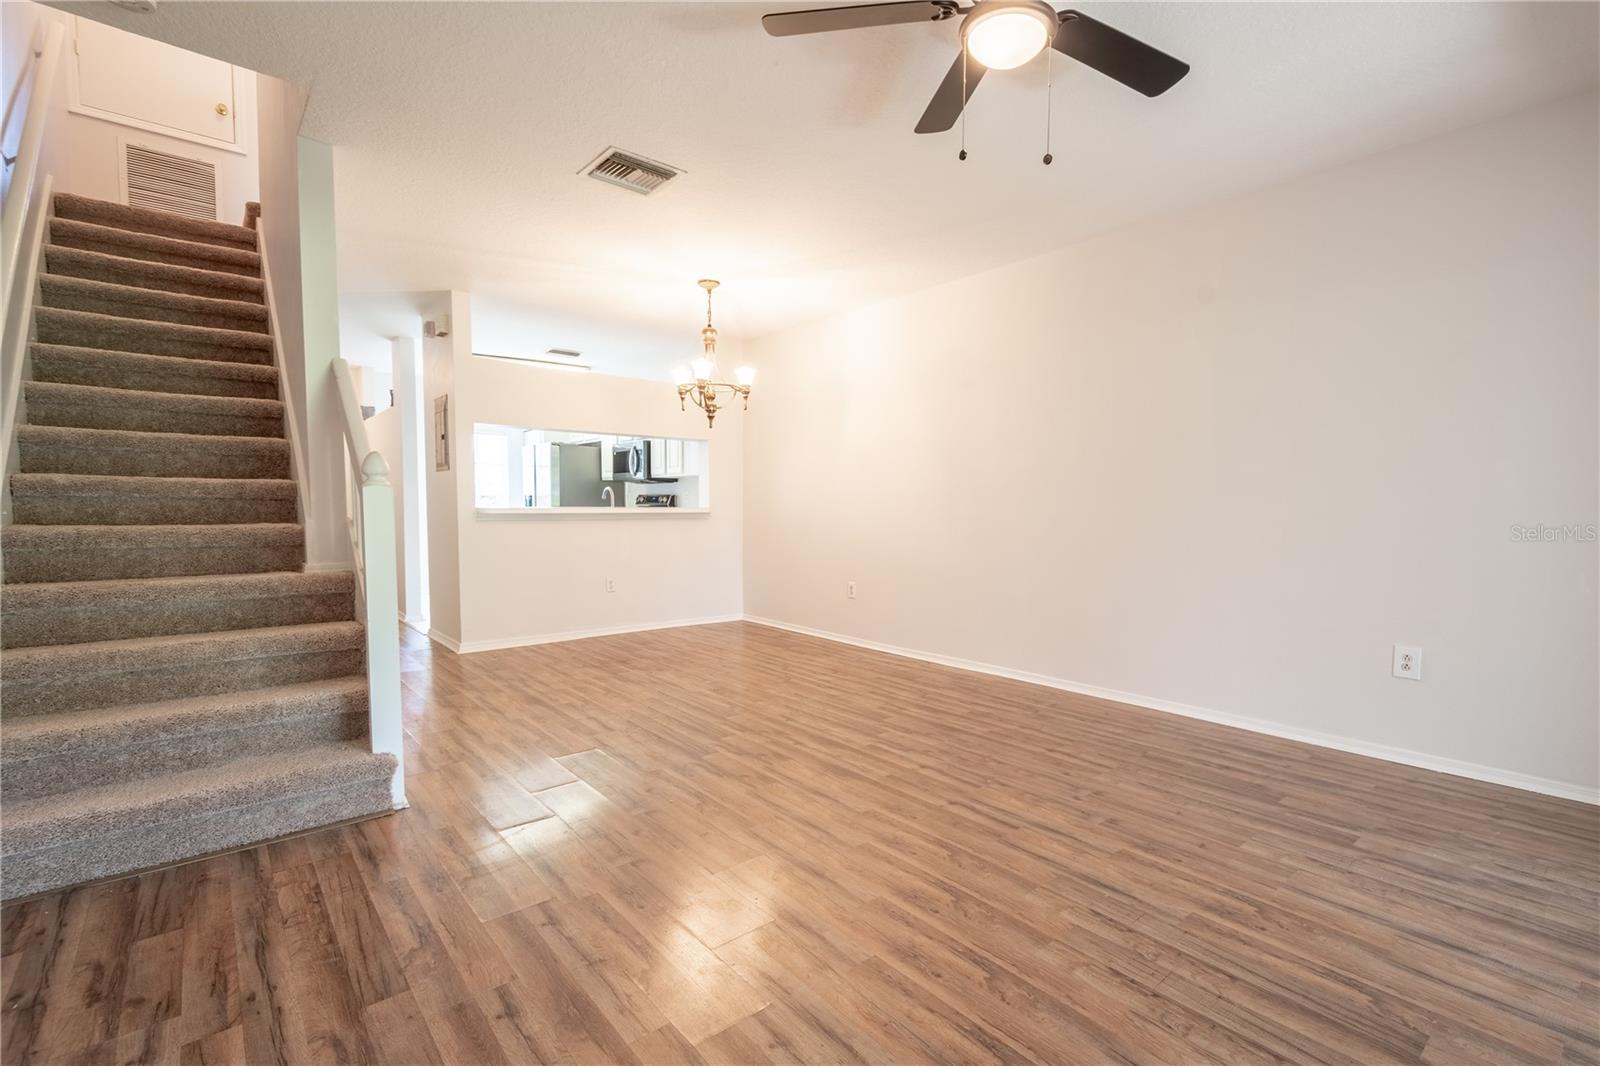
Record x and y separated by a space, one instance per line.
54 403
72 612
150 305
50 821
54 734
122 270
108 499
150 247
90 553
141 372
89 329
73 450
174 683
205 811
200 487
63 678
154 653
145 220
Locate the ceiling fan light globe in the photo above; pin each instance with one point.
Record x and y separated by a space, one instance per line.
1005 36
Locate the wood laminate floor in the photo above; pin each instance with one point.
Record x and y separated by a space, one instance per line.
730 844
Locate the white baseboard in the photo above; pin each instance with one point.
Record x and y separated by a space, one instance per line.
419 624
441 638
325 568
1422 760
471 646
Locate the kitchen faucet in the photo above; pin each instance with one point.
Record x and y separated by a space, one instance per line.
607 494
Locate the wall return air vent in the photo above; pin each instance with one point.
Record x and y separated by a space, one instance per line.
162 181
629 170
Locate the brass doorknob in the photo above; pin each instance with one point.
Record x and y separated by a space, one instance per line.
222 109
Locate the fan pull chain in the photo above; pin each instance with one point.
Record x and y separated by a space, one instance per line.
1049 99
963 154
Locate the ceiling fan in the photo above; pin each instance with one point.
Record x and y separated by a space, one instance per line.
998 35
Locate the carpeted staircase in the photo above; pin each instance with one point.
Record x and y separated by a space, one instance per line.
171 683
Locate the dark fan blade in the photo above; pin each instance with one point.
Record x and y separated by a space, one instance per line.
822 19
1116 55
947 102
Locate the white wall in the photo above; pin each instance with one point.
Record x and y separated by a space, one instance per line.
406 472
497 581
384 433
327 539
442 490
85 149
533 578
22 28
500 327
1227 458
280 107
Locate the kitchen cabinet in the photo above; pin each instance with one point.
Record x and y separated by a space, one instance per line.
666 457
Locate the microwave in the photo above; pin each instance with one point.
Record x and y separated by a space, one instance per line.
630 461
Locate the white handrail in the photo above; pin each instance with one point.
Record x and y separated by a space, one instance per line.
20 193
369 501
14 359
23 218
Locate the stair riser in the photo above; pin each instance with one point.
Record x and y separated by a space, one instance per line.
48 776
150 419
27 873
54 458
22 699
109 244
158 223
111 621
100 564
149 510
62 263
106 305
123 335
70 371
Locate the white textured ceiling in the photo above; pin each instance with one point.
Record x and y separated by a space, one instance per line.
459 128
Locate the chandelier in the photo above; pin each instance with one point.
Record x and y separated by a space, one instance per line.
696 381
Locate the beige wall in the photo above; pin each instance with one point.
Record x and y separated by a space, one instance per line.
1224 460
526 579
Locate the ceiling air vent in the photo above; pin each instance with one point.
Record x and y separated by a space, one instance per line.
630 171
162 181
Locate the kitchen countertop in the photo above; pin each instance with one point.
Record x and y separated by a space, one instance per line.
586 512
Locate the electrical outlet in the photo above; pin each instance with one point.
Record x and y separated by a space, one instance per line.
611 584
849 590
1408 662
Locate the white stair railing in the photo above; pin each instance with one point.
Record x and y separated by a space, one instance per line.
19 193
369 512
22 221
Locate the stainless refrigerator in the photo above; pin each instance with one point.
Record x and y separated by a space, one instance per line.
575 475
